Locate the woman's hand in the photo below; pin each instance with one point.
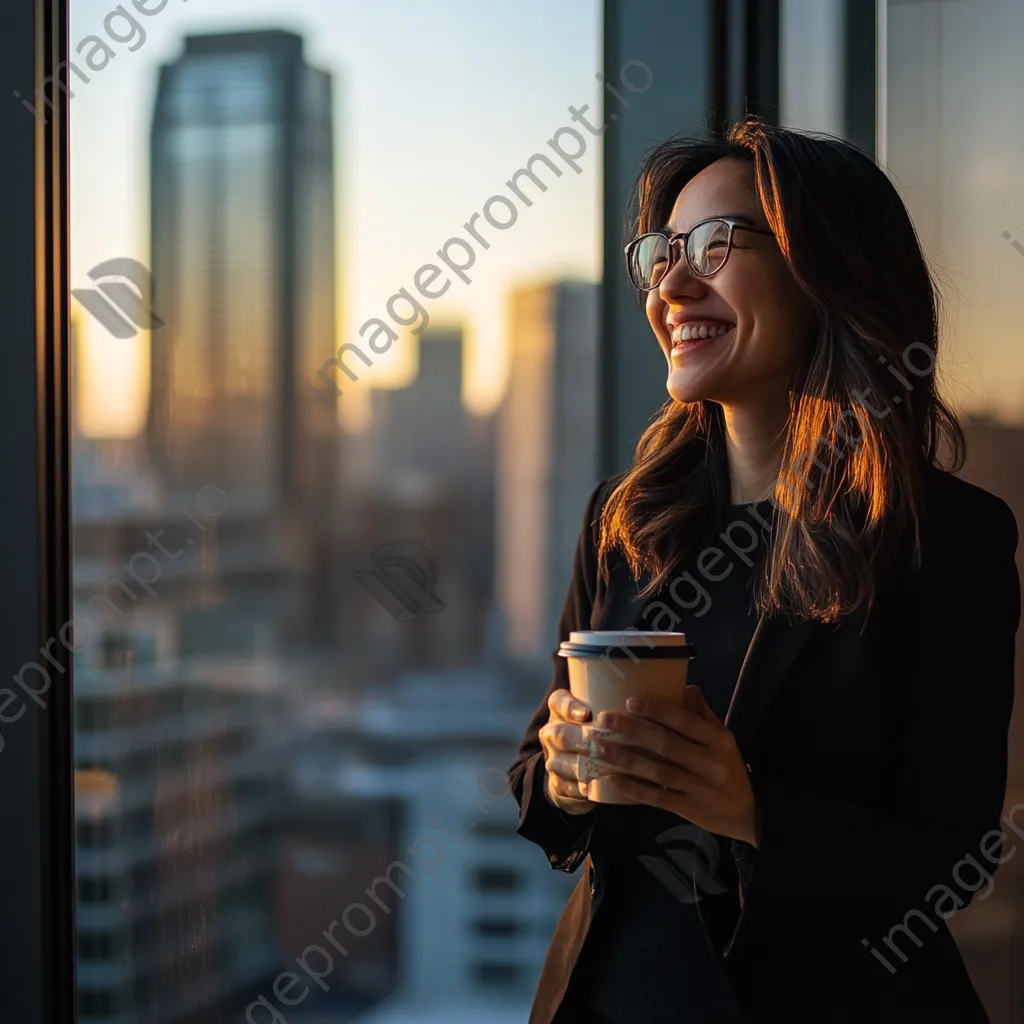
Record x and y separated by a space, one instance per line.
564 750
680 758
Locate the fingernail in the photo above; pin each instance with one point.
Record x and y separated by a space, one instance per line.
581 714
634 704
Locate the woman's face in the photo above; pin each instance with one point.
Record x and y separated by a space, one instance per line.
756 318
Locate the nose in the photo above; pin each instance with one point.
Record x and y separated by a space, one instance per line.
680 282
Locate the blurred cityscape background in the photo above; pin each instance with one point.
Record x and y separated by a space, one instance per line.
313 618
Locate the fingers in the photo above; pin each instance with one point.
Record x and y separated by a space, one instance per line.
655 739
563 705
557 735
568 767
686 721
687 766
693 698
567 782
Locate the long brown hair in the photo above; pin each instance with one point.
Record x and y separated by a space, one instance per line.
865 415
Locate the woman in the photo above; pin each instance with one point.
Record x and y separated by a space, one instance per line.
804 824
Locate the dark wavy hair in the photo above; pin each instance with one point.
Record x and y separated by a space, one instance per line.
865 416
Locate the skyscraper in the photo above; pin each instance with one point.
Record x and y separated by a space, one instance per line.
425 427
425 473
547 455
243 268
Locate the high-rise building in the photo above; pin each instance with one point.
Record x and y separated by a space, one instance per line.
403 831
547 456
243 269
425 476
178 701
424 428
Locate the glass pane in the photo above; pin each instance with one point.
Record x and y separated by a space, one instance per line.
950 84
335 270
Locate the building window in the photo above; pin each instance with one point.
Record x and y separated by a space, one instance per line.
95 890
497 975
95 1004
495 828
497 879
491 927
98 946
92 834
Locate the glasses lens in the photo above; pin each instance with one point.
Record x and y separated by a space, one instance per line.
648 261
707 246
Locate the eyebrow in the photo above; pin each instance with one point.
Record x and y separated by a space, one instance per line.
744 218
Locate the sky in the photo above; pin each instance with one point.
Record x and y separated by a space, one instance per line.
436 105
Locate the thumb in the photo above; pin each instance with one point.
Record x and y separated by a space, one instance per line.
695 702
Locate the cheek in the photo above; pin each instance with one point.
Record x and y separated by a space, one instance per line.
779 322
654 308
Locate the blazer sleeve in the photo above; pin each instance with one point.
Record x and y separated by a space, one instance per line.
564 838
949 782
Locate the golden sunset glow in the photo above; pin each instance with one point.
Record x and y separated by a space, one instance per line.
111 380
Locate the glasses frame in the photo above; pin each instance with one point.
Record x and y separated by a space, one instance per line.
683 236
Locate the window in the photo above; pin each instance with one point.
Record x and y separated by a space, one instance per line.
498 975
943 139
98 946
261 665
496 828
96 1004
497 879
497 928
95 890
94 833
217 512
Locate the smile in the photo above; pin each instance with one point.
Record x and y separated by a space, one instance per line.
687 337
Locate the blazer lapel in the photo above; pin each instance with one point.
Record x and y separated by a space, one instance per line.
770 655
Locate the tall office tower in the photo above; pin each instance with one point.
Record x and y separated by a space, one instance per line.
459 924
243 268
547 456
179 700
424 428
427 478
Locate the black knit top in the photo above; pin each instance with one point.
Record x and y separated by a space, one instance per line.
647 958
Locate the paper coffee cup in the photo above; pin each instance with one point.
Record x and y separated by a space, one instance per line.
608 666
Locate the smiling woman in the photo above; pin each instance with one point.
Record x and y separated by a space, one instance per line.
830 738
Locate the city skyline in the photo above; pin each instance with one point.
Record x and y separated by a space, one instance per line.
469 133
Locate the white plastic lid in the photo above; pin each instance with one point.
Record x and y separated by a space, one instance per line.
627 638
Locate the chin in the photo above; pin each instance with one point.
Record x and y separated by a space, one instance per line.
685 387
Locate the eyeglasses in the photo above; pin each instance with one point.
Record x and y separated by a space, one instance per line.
706 245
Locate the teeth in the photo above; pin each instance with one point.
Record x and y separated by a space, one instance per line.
693 333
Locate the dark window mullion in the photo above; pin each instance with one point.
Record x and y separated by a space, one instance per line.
36 760
762 59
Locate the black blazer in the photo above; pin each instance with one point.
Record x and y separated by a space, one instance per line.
878 754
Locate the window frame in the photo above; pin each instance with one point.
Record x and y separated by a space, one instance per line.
37 946
37 844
